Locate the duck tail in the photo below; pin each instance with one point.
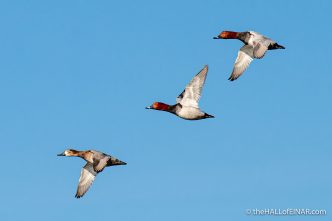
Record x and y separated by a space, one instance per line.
208 116
277 46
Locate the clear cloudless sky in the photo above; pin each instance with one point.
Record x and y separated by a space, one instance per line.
79 74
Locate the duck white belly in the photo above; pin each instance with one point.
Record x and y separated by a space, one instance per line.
190 113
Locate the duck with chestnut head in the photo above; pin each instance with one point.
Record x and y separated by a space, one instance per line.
255 46
186 105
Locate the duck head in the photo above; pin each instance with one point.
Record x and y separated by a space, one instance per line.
159 106
68 153
227 35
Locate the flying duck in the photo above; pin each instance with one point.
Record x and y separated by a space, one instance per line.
96 162
186 105
255 46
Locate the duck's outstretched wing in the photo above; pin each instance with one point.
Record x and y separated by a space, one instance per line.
88 175
244 58
192 93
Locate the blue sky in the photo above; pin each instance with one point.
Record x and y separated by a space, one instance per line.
79 74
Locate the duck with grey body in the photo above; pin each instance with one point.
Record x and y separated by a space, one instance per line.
186 105
255 47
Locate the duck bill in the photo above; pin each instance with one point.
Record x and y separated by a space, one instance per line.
148 107
61 154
